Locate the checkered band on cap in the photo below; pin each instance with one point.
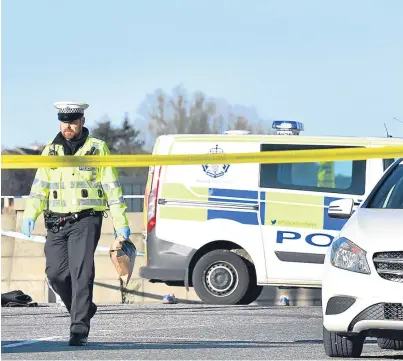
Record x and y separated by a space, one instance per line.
69 110
70 107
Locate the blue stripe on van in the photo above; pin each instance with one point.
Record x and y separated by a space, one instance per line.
333 224
234 193
249 218
262 207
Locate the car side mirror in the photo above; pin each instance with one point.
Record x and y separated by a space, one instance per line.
342 208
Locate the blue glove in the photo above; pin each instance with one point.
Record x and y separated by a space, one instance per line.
125 232
27 226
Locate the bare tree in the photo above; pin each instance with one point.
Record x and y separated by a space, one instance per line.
177 113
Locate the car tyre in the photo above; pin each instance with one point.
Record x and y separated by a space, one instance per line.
222 277
342 346
390 344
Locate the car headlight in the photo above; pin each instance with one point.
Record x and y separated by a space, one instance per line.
347 255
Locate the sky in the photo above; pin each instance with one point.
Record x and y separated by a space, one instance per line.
335 65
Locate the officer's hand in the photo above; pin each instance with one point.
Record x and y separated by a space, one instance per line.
125 232
27 226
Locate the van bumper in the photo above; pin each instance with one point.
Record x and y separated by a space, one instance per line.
166 261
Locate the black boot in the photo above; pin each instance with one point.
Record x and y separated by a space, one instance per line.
78 339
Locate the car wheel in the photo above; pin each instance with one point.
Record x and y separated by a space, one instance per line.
342 346
222 277
390 344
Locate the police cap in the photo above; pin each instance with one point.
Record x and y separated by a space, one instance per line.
70 111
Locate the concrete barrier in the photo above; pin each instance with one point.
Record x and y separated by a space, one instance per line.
23 267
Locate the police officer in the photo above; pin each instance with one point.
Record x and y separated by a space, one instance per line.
73 200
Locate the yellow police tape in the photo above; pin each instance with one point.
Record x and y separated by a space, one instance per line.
127 161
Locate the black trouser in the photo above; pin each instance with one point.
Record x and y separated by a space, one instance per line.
70 267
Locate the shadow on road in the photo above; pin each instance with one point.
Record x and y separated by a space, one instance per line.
61 346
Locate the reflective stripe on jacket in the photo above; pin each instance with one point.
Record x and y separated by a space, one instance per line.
72 189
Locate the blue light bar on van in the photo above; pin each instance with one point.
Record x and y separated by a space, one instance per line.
287 127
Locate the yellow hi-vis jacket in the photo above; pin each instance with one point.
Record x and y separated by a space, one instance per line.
73 189
326 175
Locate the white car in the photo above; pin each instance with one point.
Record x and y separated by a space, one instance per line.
362 287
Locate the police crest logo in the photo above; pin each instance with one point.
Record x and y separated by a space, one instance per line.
215 170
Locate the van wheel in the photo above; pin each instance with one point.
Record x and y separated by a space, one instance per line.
252 294
222 277
254 289
389 344
342 346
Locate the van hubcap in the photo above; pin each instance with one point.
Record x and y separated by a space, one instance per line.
221 279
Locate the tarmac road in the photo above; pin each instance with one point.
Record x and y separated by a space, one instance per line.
181 332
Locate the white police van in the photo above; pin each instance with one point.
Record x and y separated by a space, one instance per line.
229 229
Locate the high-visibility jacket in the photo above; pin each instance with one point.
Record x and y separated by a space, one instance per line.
326 175
72 189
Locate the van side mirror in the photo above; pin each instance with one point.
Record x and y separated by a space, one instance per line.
342 208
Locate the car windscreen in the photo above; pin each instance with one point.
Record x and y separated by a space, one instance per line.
390 193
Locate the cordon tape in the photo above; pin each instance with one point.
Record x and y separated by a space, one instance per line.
127 161
41 239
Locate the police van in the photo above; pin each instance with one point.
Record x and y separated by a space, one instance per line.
227 230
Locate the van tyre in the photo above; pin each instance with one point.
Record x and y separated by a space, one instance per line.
252 294
390 344
222 277
254 289
342 346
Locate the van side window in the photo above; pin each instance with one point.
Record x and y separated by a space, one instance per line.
345 177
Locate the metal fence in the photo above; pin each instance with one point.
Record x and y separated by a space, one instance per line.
134 195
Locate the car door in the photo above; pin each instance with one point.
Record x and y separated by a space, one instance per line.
294 200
